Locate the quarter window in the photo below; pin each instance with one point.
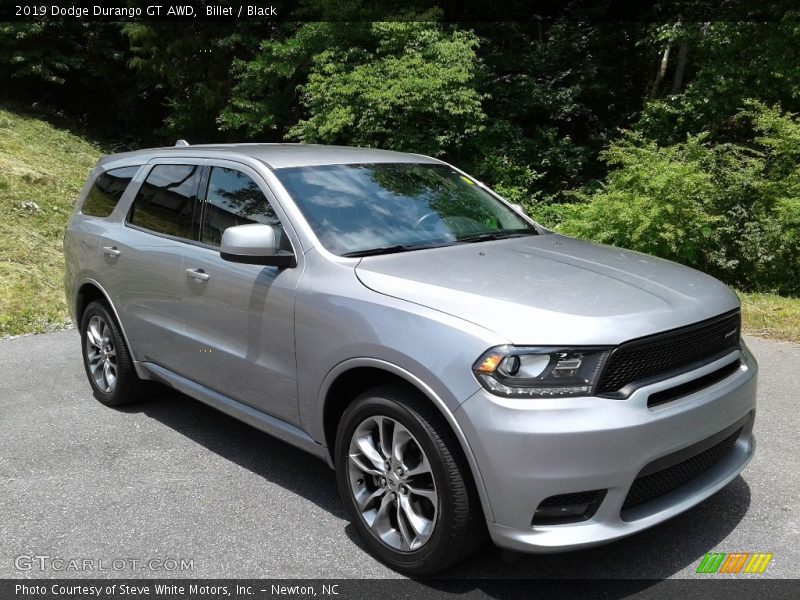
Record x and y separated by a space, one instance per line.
233 198
165 202
106 191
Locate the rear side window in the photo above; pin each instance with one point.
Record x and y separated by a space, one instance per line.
106 191
233 198
165 202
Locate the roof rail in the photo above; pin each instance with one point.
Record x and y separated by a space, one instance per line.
181 143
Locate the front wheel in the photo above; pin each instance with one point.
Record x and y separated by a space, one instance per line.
404 482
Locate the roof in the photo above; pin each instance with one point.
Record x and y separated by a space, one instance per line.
279 156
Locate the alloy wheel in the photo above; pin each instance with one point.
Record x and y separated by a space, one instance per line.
392 483
101 355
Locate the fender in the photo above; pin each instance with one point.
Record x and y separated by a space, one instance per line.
431 395
141 372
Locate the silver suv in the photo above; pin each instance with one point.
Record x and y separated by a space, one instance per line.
464 370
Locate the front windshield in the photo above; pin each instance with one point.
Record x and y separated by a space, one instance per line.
362 209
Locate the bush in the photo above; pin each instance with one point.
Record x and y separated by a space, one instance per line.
731 210
525 167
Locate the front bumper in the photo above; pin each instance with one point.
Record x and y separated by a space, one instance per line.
529 450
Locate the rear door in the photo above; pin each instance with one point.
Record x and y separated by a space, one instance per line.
239 319
86 234
143 256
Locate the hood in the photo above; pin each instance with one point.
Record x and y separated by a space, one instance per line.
550 289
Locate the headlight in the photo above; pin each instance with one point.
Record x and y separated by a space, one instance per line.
540 372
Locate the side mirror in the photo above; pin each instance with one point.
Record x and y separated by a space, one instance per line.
254 244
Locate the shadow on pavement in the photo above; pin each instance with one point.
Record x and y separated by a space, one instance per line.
258 452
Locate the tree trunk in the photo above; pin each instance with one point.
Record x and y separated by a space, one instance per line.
662 70
680 68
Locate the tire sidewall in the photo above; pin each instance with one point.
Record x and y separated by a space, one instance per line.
112 397
436 548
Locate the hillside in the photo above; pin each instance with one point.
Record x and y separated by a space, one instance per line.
41 171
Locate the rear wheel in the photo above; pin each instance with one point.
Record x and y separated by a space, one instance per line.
405 483
106 359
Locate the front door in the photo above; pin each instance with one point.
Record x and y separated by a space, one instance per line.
238 319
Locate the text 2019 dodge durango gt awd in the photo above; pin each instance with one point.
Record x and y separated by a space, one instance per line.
464 370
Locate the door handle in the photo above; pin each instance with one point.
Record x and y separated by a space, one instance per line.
198 274
111 251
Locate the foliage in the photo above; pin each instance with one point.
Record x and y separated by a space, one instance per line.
414 92
189 70
728 209
73 69
656 200
730 63
401 85
554 94
264 101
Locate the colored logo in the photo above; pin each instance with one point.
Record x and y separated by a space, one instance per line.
734 562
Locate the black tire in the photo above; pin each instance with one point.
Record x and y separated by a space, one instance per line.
459 527
127 386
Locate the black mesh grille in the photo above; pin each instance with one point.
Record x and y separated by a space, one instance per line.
659 483
660 354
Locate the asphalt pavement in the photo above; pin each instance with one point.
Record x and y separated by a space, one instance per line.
135 492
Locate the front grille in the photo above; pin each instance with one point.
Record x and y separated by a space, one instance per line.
657 484
659 355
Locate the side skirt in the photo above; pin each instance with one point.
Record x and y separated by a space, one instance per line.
275 427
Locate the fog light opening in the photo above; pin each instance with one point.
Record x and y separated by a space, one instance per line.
568 508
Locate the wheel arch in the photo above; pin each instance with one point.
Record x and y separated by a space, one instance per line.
90 290
349 379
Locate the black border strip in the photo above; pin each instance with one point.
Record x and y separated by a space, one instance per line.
690 387
704 587
453 11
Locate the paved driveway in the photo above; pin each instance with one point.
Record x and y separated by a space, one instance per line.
172 479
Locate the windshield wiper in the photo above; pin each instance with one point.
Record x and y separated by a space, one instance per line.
392 249
494 235
395 248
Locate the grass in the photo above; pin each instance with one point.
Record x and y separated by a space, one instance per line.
771 316
42 169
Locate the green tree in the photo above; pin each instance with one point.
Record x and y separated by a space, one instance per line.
554 93
405 85
728 62
187 68
264 101
414 92
655 199
72 69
